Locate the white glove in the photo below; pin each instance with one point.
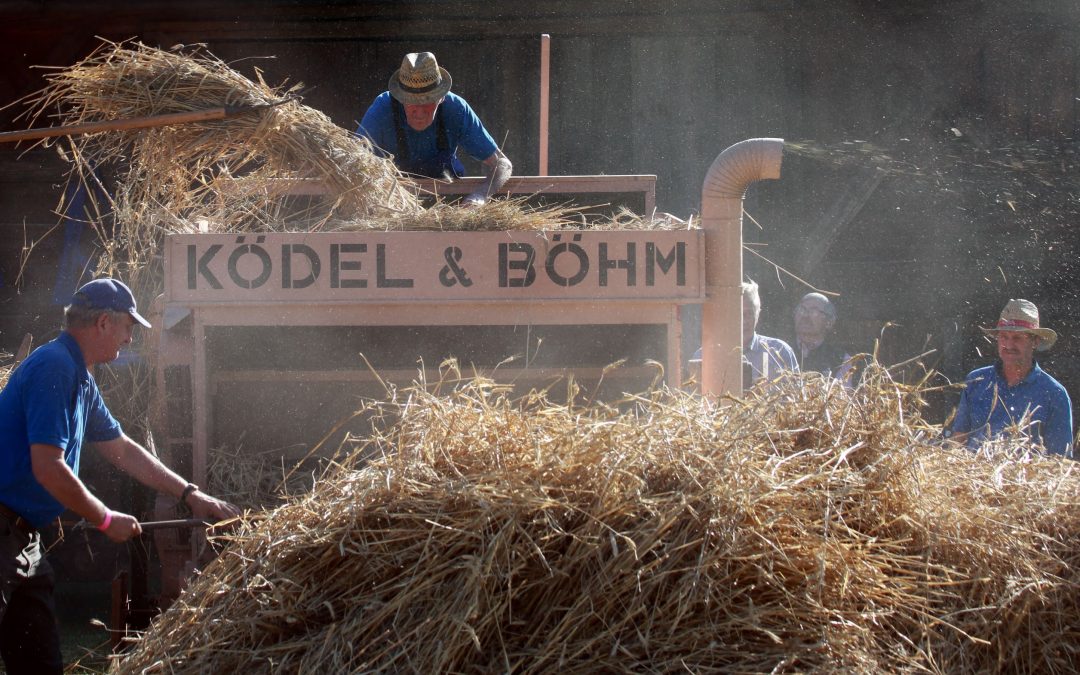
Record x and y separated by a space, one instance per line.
475 199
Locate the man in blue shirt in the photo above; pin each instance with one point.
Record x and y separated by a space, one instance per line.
764 357
50 405
1016 389
421 125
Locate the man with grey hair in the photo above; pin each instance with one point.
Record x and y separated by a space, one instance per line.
764 357
50 406
815 317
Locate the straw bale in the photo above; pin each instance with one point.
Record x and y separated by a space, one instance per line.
802 528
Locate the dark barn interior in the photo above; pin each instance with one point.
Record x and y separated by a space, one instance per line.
929 175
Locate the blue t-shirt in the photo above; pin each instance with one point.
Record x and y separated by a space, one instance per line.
51 398
988 405
461 125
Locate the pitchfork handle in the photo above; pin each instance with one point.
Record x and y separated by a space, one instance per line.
126 124
174 524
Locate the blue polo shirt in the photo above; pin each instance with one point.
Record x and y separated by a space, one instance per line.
462 127
51 398
988 405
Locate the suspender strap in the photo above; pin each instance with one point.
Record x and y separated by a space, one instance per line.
440 133
399 130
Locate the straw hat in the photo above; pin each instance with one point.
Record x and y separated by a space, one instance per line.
419 80
1022 316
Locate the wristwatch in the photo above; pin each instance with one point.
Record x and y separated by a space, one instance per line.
191 488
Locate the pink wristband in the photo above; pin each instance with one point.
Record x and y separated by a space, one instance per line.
105 523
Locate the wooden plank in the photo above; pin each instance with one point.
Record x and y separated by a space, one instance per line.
532 185
202 430
433 314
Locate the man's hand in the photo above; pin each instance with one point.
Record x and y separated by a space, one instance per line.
204 506
498 169
122 527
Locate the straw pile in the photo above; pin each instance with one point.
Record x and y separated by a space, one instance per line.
7 365
233 174
259 479
803 528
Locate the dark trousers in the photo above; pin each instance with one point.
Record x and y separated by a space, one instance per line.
29 637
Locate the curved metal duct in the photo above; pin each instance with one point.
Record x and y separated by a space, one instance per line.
726 183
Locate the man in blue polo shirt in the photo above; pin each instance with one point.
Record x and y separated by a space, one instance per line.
50 406
1000 396
422 125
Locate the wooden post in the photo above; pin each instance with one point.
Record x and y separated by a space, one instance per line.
545 80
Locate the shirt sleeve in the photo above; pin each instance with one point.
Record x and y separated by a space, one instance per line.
1057 436
787 354
48 397
962 421
100 424
475 139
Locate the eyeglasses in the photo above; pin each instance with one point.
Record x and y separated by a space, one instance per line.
803 310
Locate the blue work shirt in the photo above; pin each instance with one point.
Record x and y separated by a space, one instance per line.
767 357
51 398
989 405
461 125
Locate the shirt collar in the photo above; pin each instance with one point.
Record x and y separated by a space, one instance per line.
65 338
999 368
755 341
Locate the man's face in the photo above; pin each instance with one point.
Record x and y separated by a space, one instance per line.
115 334
1016 348
811 319
420 117
749 322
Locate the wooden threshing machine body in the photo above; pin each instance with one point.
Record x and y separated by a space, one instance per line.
262 334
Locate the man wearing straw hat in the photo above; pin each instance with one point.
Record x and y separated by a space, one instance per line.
422 124
998 396
49 408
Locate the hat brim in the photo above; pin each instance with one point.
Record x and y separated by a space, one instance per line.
1047 337
413 98
138 317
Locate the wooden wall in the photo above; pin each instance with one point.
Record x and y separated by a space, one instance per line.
662 88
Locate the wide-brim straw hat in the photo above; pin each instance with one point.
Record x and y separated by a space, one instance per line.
419 80
1022 316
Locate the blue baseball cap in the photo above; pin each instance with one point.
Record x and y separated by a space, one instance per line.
108 294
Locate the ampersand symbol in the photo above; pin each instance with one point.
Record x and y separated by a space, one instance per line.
452 255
